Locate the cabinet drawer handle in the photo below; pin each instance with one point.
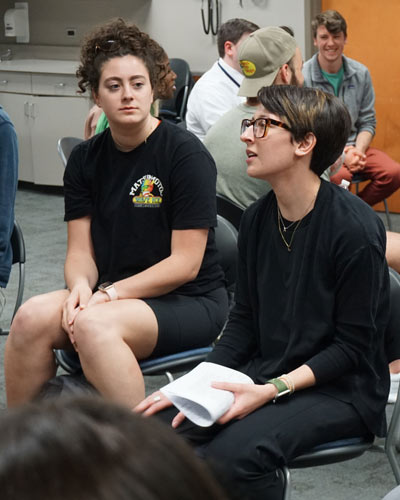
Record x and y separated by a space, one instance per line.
32 110
4 82
26 108
61 85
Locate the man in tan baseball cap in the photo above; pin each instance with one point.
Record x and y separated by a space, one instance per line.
268 56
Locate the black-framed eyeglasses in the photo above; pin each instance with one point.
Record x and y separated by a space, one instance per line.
106 46
261 126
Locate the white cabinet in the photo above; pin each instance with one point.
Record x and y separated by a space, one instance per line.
43 108
17 106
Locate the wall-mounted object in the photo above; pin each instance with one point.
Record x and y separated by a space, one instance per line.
208 19
16 22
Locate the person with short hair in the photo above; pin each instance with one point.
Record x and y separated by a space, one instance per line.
142 271
311 303
86 448
269 56
216 92
331 71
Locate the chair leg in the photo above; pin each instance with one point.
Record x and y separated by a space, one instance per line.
389 222
392 442
284 473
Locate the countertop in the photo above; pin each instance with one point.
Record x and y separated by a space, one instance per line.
40 66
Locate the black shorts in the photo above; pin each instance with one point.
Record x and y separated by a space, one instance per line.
186 322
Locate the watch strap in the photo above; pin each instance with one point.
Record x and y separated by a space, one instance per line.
280 385
112 292
109 289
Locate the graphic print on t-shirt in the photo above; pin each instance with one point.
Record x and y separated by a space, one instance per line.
147 192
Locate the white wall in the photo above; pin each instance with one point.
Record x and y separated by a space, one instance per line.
177 25
48 19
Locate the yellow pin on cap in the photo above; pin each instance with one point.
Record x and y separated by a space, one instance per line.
248 67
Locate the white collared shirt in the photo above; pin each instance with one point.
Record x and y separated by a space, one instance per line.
213 95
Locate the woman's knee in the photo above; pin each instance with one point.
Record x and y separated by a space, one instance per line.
31 321
91 329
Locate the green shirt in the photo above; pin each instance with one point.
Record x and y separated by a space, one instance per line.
102 123
335 79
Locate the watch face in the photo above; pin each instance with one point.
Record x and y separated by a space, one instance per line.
105 285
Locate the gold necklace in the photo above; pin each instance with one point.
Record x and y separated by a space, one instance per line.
288 245
280 218
285 228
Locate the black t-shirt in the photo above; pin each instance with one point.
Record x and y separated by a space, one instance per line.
136 199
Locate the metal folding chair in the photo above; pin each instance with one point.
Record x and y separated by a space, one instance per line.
64 147
18 249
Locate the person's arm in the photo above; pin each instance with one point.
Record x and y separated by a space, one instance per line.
80 270
8 188
249 397
91 122
355 157
363 107
355 335
366 119
358 296
363 141
187 252
238 342
80 267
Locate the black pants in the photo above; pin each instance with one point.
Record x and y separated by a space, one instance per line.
250 451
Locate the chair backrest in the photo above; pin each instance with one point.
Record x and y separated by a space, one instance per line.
18 250
230 210
226 240
174 109
65 145
392 336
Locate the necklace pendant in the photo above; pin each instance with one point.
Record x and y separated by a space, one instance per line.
284 228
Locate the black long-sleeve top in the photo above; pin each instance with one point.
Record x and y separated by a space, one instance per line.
324 304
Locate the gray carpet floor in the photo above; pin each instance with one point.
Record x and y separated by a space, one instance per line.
40 214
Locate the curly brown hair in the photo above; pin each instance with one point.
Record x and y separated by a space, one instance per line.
116 39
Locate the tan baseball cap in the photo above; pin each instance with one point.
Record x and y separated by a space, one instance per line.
261 55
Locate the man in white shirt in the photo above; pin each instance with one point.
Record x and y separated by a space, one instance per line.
215 92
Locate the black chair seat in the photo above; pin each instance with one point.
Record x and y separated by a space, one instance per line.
332 452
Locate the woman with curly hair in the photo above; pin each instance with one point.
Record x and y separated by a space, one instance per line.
141 267
96 120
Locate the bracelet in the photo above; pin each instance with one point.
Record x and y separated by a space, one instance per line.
288 381
280 385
